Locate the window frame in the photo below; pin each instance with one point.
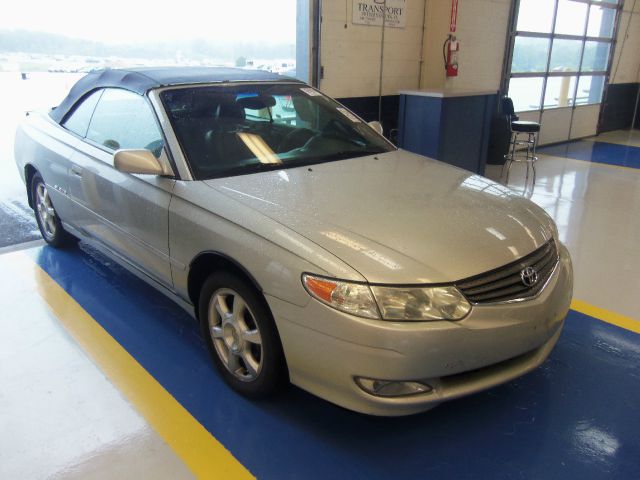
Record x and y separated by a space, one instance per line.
151 110
76 106
166 155
513 33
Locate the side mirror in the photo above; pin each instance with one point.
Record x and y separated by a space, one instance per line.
137 161
377 126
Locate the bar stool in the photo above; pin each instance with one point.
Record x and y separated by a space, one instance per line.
523 134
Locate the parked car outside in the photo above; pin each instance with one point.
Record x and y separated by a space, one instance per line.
307 246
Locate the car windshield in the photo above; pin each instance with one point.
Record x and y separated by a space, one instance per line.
237 129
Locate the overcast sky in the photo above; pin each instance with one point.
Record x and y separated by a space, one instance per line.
126 21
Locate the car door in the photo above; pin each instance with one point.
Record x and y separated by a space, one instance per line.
125 212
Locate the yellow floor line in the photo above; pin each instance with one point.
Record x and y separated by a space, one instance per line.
607 316
198 449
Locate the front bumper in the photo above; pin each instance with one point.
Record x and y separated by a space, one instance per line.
326 349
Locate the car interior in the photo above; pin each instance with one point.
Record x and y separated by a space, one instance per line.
222 130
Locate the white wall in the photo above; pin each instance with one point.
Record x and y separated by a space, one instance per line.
481 31
626 61
438 17
351 55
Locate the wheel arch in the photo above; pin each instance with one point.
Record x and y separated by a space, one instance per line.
29 172
207 262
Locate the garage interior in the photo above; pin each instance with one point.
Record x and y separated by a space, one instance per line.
101 376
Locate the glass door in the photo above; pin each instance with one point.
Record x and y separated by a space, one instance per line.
560 55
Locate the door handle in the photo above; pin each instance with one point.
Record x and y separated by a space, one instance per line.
76 170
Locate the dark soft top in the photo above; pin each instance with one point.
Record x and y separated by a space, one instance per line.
141 80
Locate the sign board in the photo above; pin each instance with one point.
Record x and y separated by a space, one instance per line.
369 12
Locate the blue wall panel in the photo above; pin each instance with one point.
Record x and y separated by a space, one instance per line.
454 130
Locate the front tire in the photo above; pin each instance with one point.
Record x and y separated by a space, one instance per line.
241 335
49 223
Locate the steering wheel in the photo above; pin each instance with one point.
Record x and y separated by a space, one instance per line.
294 139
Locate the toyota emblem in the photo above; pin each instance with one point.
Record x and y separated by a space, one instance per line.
529 276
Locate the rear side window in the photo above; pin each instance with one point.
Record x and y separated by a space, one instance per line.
78 121
123 119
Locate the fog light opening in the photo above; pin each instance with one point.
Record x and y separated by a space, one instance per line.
392 388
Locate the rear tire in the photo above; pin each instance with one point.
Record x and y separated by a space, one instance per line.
48 220
241 336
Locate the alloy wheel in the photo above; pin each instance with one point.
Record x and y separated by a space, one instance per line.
46 213
235 334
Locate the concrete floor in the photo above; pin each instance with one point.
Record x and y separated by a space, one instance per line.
595 206
40 92
102 377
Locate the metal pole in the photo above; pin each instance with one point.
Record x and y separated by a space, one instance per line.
607 76
546 72
316 68
575 87
384 23
421 64
635 110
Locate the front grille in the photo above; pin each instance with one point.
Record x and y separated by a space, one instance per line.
505 283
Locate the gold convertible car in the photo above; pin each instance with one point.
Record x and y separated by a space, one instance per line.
309 248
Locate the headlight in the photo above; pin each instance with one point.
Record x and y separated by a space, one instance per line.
354 298
421 303
389 303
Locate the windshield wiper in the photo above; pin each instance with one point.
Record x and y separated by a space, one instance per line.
246 169
293 163
345 154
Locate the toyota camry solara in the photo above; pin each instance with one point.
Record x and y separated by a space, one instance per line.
308 247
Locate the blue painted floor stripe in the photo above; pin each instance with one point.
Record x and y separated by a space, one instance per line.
599 152
575 417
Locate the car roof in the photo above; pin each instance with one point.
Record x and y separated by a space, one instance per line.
141 80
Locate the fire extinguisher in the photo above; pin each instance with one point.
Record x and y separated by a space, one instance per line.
450 50
451 45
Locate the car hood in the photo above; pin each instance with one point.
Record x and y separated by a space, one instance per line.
398 217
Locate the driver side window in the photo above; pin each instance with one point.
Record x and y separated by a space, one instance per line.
123 119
